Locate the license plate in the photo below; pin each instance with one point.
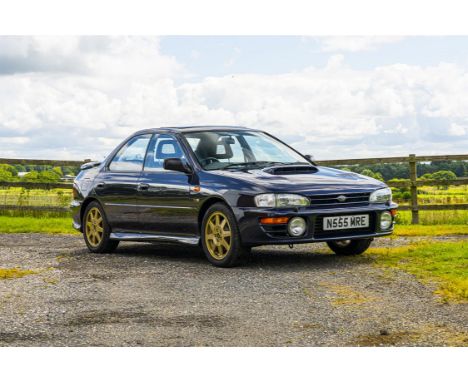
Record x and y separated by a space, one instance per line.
345 222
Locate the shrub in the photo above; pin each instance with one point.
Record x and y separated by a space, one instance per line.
371 174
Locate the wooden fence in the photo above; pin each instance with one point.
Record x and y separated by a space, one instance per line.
413 183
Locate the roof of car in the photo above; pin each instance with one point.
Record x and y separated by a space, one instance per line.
192 128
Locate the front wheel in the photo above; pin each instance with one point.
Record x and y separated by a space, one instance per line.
96 230
220 237
349 247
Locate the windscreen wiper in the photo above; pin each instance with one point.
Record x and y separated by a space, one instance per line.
246 164
262 164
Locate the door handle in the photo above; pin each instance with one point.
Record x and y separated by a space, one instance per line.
143 187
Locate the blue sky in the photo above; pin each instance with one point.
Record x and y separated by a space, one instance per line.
223 55
337 97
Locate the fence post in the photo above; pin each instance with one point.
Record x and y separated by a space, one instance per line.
413 190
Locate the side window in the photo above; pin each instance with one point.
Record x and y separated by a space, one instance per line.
131 156
161 147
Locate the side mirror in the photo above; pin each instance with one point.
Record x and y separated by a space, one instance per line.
176 164
310 158
89 165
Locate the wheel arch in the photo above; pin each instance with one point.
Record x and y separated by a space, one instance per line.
84 205
207 204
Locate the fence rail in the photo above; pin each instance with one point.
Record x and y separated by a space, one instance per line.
37 186
8 207
413 183
48 162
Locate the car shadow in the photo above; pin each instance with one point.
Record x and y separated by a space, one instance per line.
282 258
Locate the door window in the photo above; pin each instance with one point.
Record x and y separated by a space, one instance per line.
162 146
131 156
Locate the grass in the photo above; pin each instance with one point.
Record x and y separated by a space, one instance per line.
21 224
445 264
431 230
435 217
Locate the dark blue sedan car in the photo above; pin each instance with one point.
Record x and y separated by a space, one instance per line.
226 189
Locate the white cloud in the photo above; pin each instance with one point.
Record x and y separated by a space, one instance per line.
457 130
331 112
355 43
90 55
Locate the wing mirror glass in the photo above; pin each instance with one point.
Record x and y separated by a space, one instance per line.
176 164
310 158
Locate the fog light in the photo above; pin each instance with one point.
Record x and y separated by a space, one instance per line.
297 226
385 220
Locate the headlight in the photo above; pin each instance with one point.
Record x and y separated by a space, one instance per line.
281 200
384 195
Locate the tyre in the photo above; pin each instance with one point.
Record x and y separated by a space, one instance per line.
349 247
96 230
221 241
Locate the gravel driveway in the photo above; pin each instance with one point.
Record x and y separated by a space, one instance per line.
154 295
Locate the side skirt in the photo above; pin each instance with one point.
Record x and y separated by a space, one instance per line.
130 236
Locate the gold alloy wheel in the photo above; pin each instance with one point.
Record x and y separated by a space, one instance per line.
94 228
218 235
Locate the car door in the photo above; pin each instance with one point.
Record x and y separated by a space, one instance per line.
166 205
117 186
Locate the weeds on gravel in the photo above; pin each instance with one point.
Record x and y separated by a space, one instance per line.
17 224
437 335
443 263
344 295
15 273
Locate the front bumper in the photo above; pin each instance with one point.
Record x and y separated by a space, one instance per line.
254 233
75 207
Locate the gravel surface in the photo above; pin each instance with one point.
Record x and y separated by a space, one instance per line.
160 295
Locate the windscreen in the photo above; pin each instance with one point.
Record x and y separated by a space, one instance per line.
216 150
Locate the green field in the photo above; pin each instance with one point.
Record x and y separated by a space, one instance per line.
24 197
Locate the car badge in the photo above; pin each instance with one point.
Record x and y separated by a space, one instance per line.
341 198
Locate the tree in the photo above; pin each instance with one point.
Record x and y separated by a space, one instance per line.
371 174
427 176
5 176
48 177
20 168
58 171
31 176
444 175
11 169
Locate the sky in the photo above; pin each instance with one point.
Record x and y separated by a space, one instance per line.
334 97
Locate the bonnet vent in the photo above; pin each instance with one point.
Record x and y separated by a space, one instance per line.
290 170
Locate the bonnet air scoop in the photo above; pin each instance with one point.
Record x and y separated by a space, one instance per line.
291 170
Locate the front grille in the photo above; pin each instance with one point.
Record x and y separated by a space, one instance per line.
319 233
332 200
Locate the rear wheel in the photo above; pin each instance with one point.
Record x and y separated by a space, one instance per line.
349 247
96 230
220 237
